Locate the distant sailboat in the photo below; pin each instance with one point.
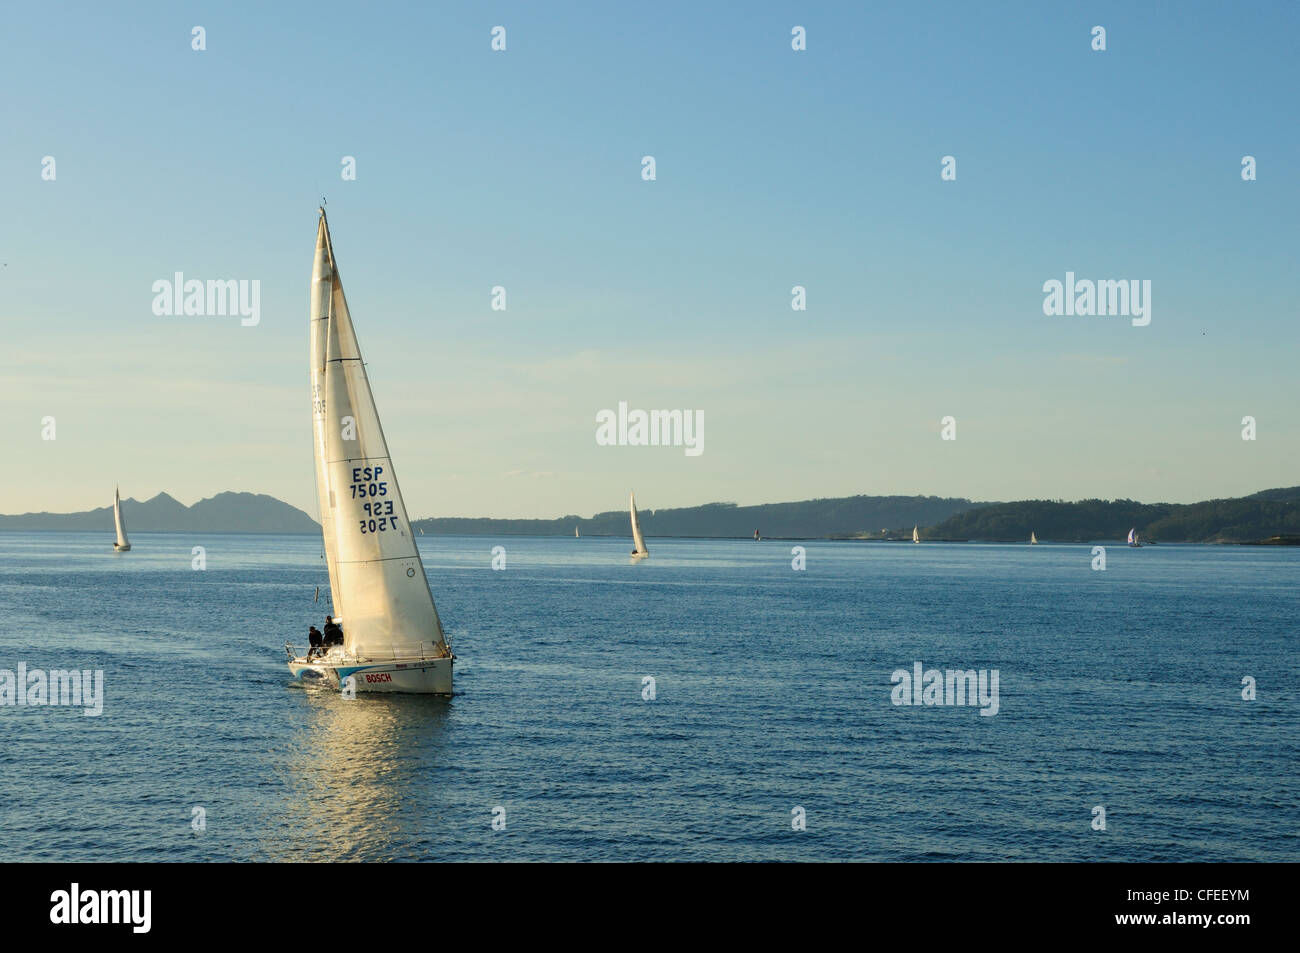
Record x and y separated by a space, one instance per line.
916 538
1133 538
756 536
575 532
638 541
392 637
1033 540
123 544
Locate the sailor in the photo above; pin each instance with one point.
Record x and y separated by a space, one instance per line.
314 637
333 634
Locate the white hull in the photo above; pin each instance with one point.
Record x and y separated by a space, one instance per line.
119 548
404 676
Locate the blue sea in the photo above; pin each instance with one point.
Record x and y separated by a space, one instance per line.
772 705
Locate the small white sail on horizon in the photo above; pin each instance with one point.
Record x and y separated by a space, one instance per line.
638 541
392 636
916 538
123 544
1033 540
1133 537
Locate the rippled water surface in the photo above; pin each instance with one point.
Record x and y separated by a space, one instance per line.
1120 688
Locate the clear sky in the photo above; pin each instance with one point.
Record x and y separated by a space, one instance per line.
775 168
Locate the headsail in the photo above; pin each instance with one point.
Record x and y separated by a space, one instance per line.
122 541
376 576
1132 536
638 541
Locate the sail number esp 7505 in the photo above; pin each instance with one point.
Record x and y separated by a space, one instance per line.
379 513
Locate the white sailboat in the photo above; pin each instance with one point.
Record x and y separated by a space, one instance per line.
1133 538
575 532
638 541
123 544
916 538
392 637
1033 540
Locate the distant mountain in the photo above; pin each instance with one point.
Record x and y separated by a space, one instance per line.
1260 516
1269 515
838 517
223 513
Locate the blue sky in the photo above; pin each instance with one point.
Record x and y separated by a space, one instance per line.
774 168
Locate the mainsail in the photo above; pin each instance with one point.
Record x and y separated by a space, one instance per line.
638 541
122 541
915 536
1132 536
1033 540
377 579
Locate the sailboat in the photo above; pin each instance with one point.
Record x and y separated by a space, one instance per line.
916 538
638 541
1033 540
392 637
123 544
756 536
575 532
1133 538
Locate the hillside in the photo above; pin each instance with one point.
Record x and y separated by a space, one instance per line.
1269 515
842 516
1260 516
223 513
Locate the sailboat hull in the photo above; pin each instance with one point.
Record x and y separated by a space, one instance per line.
411 677
120 548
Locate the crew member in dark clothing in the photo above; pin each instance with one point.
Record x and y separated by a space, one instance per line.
314 638
333 634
